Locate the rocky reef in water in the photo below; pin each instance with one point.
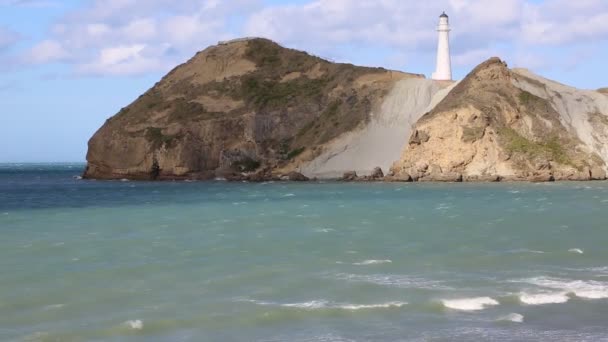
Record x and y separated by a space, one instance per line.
253 110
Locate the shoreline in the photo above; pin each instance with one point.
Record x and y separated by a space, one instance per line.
387 180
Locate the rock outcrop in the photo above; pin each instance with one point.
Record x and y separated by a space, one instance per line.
251 110
237 107
494 126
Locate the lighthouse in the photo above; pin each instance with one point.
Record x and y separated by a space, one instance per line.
443 72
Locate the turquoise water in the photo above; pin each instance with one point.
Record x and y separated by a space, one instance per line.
129 261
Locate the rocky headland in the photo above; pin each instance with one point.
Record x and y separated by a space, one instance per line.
252 110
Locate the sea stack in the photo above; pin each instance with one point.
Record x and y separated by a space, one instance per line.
443 72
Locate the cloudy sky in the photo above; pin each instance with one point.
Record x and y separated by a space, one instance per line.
67 65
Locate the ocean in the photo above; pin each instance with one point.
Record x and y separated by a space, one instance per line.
214 261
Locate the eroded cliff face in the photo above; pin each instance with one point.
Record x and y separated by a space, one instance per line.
500 124
237 107
380 141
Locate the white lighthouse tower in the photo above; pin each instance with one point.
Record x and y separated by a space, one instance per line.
443 72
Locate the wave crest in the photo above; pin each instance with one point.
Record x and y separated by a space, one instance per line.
135 324
323 304
469 304
544 298
372 262
583 289
513 317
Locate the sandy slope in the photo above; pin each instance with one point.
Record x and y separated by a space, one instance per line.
584 112
381 141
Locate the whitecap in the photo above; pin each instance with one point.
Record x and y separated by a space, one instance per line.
512 317
372 262
576 250
525 250
544 298
391 280
135 324
373 306
124 180
314 304
583 289
469 304
324 304
289 195
323 230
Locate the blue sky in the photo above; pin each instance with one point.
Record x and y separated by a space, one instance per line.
68 65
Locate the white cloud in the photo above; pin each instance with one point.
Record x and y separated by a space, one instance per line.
47 51
154 35
404 24
559 22
140 29
121 60
136 36
474 56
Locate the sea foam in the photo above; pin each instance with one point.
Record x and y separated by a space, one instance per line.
544 298
394 280
372 262
580 288
324 305
469 304
512 317
135 324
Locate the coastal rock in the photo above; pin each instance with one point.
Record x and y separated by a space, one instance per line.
377 173
350 176
498 123
482 178
598 173
263 175
403 177
297 177
249 109
574 175
453 177
241 105
540 178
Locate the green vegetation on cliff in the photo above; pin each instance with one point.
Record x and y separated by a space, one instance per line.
240 105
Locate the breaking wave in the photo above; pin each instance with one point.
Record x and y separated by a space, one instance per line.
512 317
469 304
544 298
580 288
399 281
135 324
323 304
